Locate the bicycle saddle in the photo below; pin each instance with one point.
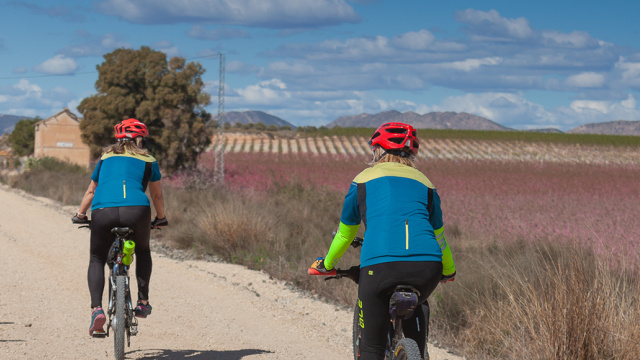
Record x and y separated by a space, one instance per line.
121 231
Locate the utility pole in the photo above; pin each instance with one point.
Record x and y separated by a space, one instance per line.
218 171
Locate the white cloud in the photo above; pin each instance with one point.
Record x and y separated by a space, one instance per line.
489 25
412 40
625 109
586 80
628 72
57 65
94 45
472 64
167 47
276 14
28 99
271 92
576 39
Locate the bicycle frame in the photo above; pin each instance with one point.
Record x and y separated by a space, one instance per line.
117 268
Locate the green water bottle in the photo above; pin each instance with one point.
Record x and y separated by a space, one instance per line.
129 248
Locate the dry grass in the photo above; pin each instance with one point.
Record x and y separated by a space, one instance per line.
280 232
53 179
545 301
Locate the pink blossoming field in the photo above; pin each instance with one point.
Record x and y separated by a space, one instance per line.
591 204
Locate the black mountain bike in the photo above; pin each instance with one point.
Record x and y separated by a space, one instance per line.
403 303
121 311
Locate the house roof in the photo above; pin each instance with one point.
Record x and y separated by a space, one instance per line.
65 110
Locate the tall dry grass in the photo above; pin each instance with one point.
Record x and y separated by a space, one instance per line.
280 231
538 301
53 179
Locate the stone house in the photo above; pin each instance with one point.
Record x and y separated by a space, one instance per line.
59 136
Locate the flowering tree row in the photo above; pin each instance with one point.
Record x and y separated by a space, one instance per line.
445 149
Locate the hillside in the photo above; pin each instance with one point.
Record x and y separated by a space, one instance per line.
433 120
8 121
254 117
620 127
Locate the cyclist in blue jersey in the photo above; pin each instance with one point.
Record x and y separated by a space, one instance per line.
404 242
117 197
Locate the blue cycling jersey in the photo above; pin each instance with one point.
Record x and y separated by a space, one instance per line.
392 200
121 180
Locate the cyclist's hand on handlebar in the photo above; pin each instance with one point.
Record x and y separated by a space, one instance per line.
447 278
79 220
158 223
354 273
319 265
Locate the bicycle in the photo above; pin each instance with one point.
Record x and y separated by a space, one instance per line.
403 303
120 311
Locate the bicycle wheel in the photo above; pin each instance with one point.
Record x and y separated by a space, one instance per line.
357 332
407 349
118 340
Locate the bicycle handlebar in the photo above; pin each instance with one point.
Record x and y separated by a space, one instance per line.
352 273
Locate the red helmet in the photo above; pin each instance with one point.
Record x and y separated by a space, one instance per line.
130 128
396 136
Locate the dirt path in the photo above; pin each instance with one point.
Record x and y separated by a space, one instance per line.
202 310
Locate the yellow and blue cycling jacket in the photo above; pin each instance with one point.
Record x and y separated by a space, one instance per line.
401 212
122 180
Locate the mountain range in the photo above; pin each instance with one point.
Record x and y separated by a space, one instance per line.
433 120
7 122
254 117
620 127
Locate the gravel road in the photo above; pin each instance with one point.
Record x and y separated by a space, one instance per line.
201 310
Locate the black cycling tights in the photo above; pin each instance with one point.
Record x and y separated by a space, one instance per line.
377 283
102 221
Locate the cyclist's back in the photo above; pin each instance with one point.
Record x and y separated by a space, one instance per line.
398 226
117 198
404 241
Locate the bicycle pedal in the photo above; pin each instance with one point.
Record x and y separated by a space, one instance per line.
99 334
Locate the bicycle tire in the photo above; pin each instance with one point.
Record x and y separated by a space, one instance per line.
118 340
357 332
407 349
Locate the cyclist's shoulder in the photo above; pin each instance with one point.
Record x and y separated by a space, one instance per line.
128 155
391 169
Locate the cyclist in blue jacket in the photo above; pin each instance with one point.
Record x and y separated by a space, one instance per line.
117 197
404 240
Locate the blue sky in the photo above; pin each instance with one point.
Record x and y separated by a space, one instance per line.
523 64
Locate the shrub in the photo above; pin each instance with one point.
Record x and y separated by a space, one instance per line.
54 179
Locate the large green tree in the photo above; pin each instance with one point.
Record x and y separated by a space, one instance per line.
166 95
22 138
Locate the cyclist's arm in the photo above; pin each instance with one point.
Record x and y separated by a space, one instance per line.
87 198
448 266
349 223
344 237
435 218
155 189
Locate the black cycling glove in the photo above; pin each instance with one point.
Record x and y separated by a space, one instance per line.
354 273
156 223
76 220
